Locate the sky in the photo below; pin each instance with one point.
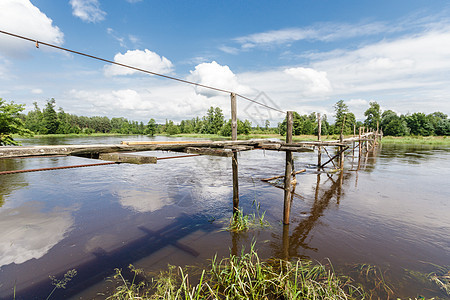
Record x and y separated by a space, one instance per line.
292 55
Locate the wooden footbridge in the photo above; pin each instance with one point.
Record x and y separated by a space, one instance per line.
126 153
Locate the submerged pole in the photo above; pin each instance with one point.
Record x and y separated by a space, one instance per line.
288 172
234 160
319 138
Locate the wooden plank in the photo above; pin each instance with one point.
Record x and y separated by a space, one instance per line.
210 151
132 143
128 158
239 147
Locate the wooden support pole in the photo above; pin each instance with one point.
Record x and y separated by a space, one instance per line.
319 138
286 242
234 160
288 172
341 152
233 117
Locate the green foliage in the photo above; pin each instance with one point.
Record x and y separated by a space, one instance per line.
393 125
344 119
11 123
419 124
244 276
242 128
373 115
151 127
50 117
48 121
61 283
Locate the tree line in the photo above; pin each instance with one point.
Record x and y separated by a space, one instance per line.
50 120
389 122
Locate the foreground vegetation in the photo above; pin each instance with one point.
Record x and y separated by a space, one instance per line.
241 277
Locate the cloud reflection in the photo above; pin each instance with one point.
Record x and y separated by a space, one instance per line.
144 201
27 232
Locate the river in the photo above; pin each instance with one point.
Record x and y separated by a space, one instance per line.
393 214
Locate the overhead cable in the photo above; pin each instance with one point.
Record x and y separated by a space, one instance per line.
137 69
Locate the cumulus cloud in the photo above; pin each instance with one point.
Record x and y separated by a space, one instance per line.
422 60
158 100
146 60
218 76
23 18
87 10
315 81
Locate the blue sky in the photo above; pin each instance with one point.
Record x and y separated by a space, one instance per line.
294 55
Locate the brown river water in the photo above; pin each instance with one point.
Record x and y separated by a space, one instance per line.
392 216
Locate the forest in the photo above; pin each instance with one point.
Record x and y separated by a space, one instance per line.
53 120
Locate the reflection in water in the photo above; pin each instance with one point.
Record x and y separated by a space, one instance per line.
9 183
143 201
28 233
290 244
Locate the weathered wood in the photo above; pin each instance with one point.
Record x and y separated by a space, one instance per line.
331 159
210 151
234 162
239 147
133 143
233 117
282 176
234 166
128 158
93 151
288 171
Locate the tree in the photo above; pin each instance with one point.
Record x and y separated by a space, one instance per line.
151 127
51 122
34 120
344 118
11 123
419 124
393 125
373 115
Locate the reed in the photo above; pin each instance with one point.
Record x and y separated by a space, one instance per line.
244 277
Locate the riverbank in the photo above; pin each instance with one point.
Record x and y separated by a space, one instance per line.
412 140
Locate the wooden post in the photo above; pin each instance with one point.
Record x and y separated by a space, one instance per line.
286 242
233 117
288 172
341 150
234 160
359 149
319 138
367 140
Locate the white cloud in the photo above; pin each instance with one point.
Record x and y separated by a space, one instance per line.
422 60
23 18
146 60
324 32
158 100
134 1
37 91
315 82
218 76
87 10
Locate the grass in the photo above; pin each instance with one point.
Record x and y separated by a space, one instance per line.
245 276
416 140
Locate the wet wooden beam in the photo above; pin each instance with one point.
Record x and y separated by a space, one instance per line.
289 168
210 151
128 158
234 160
